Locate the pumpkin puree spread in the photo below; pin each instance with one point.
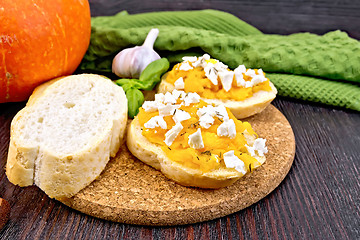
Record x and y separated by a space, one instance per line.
199 135
212 79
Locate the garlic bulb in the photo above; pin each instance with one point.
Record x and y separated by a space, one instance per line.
130 62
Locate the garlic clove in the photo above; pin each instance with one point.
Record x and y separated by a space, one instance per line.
130 62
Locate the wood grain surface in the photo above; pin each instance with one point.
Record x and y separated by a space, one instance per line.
319 198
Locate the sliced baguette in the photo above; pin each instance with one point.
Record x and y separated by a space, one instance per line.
154 156
241 109
65 135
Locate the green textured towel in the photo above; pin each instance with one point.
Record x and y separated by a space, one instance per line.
322 60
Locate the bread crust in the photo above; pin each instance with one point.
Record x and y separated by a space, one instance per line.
153 155
241 109
63 175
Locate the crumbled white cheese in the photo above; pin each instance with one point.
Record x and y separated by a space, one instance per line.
240 82
157 121
185 66
227 129
226 78
176 94
172 134
260 72
191 98
255 80
180 116
251 150
206 115
201 61
159 97
206 121
190 59
179 84
239 77
198 63
240 68
206 56
169 98
195 140
209 109
232 161
259 146
220 66
250 73
221 112
211 73
168 109
150 106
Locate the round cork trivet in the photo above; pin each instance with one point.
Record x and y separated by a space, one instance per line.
130 191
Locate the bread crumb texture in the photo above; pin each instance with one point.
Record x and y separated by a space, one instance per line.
66 134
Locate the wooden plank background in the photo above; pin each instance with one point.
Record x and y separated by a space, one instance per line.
319 199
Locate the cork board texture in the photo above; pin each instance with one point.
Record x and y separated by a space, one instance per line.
132 192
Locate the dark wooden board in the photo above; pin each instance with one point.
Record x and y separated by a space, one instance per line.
319 198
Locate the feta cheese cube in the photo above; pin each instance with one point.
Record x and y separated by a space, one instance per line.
176 94
258 79
168 109
185 66
195 140
226 78
251 150
260 72
240 69
190 59
239 77
191 98
232 161
211 73
220 66
250 73
156 121
180 116
169 98
201 61
172 134
209 109
206 116
227 129
260 147
179 84
206 121
150 106
159 97
255 80
206 56
221 112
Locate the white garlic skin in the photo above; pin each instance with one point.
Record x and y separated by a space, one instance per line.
130 62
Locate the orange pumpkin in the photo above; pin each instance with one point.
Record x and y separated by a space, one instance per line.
40 40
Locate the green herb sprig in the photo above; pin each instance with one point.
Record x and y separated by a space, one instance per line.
147 81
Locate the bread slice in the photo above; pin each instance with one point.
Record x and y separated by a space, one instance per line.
65 135
154 156
241 109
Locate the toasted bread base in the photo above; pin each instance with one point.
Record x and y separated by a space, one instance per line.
241 109
153 155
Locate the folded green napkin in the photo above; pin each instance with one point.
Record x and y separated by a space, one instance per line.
305 66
